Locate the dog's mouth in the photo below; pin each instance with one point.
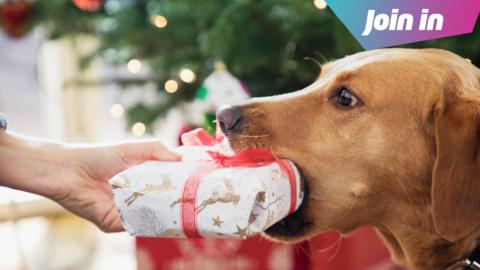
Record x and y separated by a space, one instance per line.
295 224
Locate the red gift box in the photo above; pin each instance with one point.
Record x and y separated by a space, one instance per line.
218 254
363 250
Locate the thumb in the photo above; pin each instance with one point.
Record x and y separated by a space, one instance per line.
133 153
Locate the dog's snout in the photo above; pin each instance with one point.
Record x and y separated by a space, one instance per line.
229 118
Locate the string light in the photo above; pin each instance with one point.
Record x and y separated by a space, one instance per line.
117 110
159 21
171 86
139 129
320 4
187 75
134 66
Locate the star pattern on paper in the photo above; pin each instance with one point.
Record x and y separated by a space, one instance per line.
242 233
217 222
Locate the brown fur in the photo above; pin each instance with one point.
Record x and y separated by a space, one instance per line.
405 161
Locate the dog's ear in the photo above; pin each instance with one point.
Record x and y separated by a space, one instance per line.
456 173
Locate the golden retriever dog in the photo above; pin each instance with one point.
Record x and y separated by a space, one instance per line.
386 138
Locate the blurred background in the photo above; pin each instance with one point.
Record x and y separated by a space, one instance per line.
111 70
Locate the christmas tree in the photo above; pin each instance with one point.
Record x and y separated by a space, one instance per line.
264 43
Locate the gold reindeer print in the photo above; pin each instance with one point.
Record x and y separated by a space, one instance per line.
269 219
173 204
126 183
227 197
252 218
115 186
260 197
133 198
165 186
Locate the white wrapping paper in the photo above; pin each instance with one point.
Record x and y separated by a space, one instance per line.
230 202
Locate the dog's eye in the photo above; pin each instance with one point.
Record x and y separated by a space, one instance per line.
345 99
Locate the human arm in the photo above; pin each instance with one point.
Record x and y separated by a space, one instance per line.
75 176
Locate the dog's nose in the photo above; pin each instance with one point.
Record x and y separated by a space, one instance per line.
229 118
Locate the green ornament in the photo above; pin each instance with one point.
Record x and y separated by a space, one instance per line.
209 123
202 93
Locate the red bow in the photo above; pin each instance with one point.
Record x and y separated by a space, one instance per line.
198 137
253 157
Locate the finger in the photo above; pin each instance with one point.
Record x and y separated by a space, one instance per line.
112 221
159 152
116 227
133 153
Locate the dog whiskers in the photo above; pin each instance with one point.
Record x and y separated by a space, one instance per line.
336 250
243 149
403 188
270 148
252 125
303 250
248 136
337 244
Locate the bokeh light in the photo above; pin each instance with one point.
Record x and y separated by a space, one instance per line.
159 21
117 110
134 66
171 86
187 75
139 129
320 4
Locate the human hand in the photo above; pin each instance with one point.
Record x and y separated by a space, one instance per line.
74 176
85 190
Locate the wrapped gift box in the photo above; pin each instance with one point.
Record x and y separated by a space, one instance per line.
207 194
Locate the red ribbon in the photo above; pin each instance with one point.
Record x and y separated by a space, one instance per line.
253 157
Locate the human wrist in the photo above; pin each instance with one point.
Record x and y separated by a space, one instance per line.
30 164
